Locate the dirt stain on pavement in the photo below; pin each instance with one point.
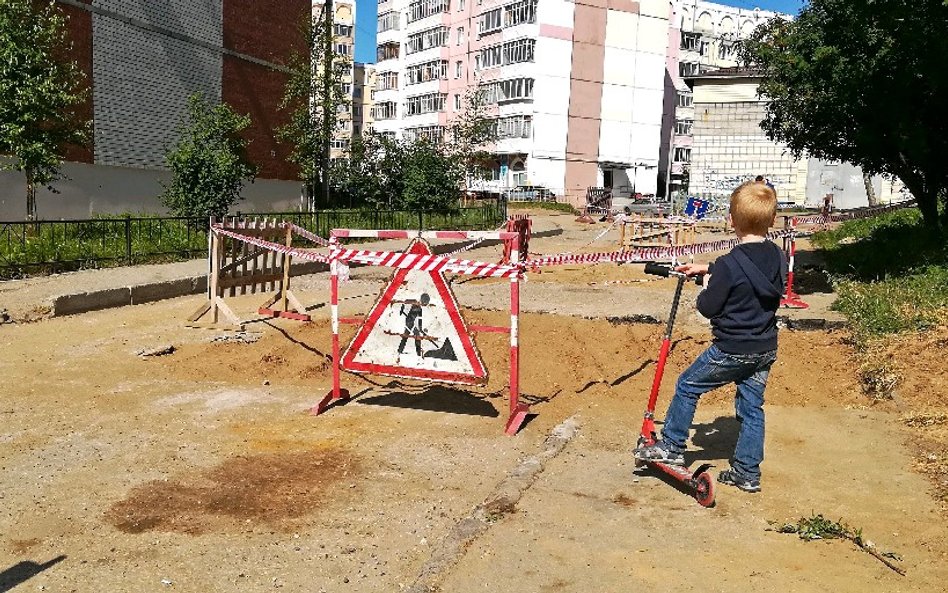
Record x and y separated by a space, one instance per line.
272 489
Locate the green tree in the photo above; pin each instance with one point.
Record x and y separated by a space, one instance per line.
314 97
39 94
209 162
471 133
373 173
863 82
432 178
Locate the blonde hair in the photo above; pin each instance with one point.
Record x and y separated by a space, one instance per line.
753 208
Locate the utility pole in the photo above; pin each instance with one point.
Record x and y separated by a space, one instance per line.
328 117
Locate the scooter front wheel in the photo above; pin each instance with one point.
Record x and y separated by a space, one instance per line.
704 489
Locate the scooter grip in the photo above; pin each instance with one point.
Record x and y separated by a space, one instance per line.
656 269
699 280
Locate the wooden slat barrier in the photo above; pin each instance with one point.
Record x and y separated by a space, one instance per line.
237 268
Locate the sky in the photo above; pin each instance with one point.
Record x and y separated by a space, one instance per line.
366 14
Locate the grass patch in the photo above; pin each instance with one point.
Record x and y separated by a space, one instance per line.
891 273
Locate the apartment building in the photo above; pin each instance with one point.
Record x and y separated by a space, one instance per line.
142 60
344 20
575 89
703 36
363 97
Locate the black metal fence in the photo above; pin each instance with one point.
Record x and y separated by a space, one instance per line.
51 246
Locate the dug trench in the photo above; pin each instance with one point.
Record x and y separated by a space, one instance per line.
202 467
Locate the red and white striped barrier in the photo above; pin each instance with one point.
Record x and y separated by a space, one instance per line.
851 215
432 264
271 246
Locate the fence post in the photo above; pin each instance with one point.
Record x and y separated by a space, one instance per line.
420 220
128 238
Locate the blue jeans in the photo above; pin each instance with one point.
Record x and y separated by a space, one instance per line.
713 369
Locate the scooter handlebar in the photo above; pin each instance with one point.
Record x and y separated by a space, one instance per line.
656 269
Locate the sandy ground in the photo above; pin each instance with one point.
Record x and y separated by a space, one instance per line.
202 470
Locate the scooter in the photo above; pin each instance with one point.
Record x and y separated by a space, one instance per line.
699 481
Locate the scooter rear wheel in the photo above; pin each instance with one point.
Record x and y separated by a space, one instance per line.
704 489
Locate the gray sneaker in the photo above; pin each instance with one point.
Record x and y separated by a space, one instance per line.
659 453
732 478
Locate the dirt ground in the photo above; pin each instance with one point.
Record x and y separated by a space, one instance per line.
203 471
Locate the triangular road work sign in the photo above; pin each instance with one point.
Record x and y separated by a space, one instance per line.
415 330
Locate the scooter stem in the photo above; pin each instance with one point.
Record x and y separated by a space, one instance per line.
662 357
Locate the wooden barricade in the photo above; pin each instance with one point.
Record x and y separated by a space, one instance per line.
239 268
655 232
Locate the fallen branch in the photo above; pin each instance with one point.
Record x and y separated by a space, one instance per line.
818 527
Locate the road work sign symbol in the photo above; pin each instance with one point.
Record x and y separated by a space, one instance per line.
415 330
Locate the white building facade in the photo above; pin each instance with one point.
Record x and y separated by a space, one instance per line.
576 89
703 36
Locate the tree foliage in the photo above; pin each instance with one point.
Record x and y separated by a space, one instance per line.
39 94
471 133
209 163
863 82
314 97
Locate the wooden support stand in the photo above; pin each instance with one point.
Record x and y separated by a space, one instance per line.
639 231
238 268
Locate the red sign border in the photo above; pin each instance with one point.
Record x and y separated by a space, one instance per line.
479 376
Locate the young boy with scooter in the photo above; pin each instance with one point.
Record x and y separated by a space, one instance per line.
741 297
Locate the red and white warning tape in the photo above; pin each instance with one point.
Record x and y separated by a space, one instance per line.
307 234
271 246
641 255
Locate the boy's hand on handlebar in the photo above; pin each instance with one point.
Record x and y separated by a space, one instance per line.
693 269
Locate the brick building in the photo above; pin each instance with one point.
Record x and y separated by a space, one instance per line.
142 59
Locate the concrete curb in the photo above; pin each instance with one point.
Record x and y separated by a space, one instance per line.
83 302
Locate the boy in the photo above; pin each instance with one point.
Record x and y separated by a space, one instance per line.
742 294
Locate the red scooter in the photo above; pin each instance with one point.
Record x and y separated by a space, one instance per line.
699 481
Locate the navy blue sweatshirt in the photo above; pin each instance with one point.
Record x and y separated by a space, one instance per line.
742 298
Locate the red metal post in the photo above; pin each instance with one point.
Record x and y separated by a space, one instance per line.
337 392
792 300
518 411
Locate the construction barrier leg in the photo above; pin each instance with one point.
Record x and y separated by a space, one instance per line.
337 393
518 411
792 300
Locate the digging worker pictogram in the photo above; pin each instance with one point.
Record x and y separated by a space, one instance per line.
414 322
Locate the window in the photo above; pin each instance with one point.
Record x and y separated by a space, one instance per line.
517 126
427 71
489 21
690 41
458 68
519 50
491 57
685 99
338 143
524 11
388 21
343 49
688 69
427 103
345 88
357 130
387 51
504 91
386 110
342 30
682 155
683 127
461 5
430 133
726 51
511 52
457 102
357 110
427 39
460 35
357 93
387 81
420 9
